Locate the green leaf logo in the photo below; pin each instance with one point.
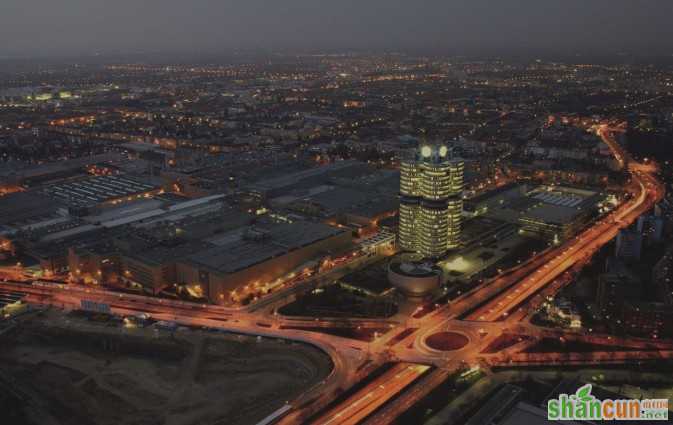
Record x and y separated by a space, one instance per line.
584 393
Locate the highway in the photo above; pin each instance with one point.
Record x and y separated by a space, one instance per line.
408 398
365 401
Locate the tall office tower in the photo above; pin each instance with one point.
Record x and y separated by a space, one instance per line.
431 203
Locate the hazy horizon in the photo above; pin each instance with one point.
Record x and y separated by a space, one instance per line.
84 27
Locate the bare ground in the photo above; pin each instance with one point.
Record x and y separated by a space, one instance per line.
65 370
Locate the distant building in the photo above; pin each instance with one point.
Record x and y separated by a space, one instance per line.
629 245
431 186
651 227
664 209
616 286
662 277
622 301
649 319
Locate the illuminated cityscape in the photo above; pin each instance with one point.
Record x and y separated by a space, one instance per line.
300 213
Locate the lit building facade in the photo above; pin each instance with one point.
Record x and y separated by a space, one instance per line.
431 203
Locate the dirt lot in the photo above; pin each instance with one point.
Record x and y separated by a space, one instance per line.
70 370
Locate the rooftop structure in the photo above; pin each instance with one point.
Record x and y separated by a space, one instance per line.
554 213
259 255
275 186
93 191
257 244
26 208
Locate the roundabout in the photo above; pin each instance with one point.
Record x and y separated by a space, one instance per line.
447 341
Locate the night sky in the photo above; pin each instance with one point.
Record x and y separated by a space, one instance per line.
85 26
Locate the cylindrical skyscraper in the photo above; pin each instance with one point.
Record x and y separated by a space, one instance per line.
410 202
431 203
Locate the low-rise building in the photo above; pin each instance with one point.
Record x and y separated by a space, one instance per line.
258 255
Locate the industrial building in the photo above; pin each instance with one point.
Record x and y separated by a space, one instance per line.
358 197
211 255
35 175
22 211
60 241
493 199
156 267
274 186
258 255
431 204
558 212
83 196
552 213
